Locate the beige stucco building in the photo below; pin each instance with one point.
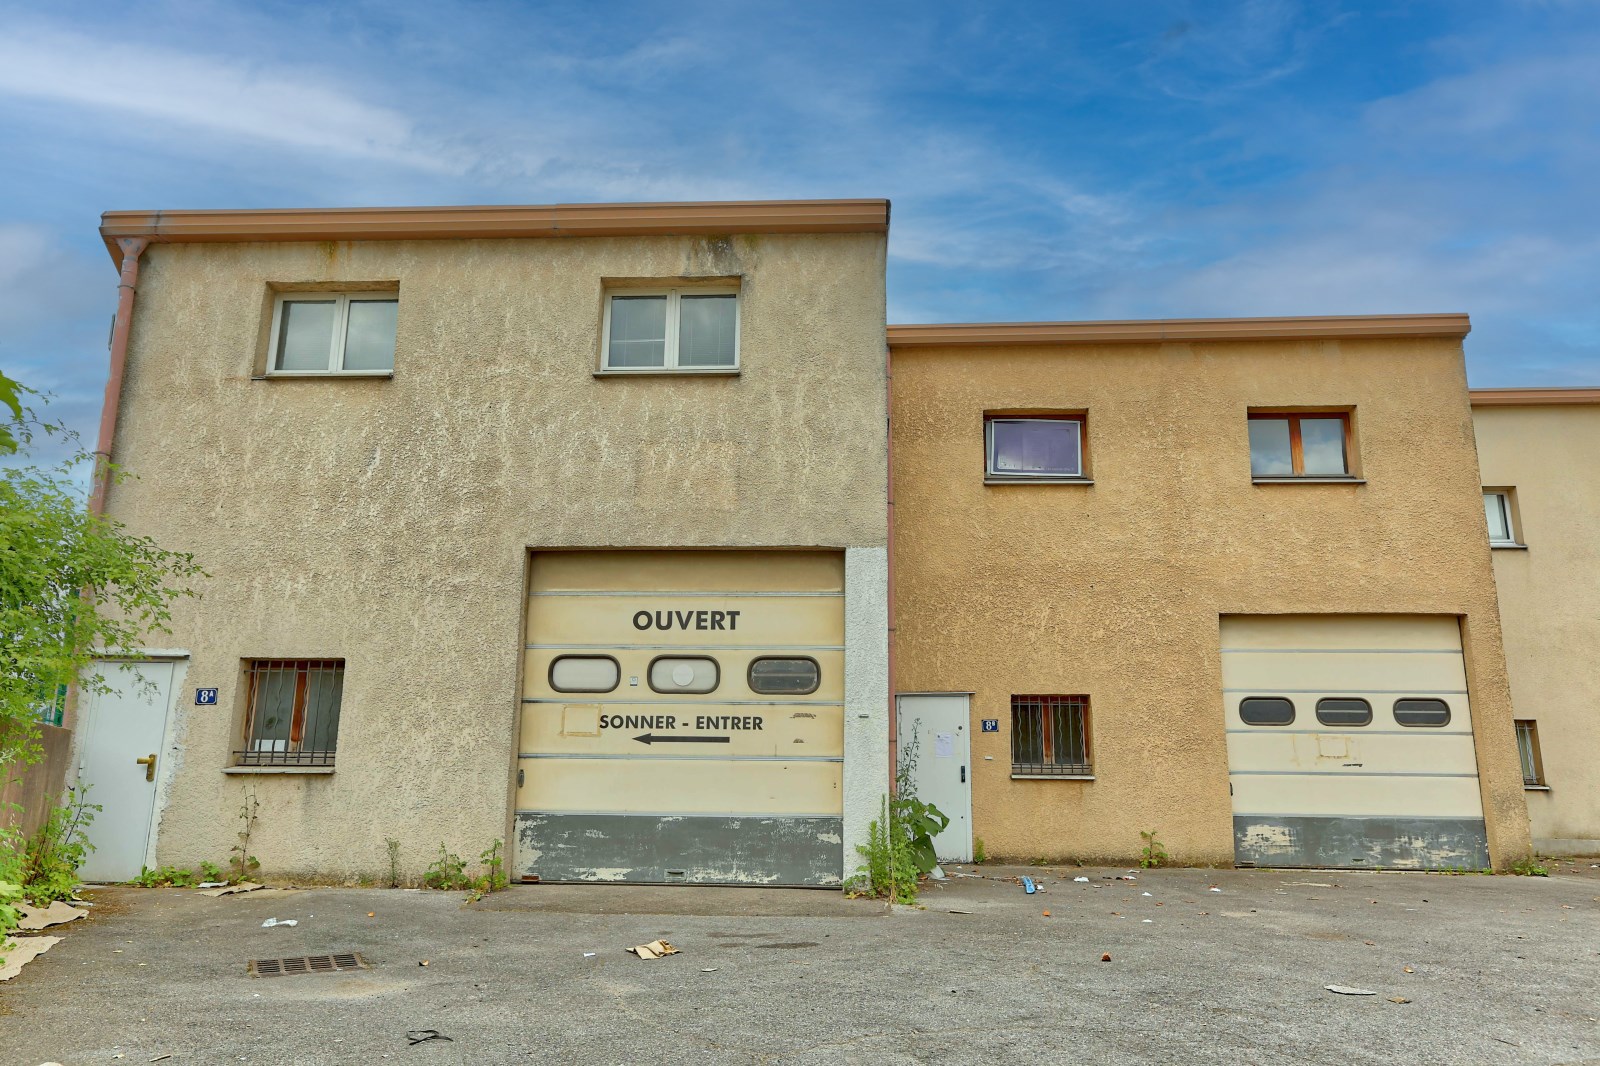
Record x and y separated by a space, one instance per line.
1538 450
1295 664
558 401
577 527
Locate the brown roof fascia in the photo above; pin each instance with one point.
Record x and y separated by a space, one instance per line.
1022 334
1533 397
550 220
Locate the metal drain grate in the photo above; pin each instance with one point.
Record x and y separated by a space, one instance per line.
351 960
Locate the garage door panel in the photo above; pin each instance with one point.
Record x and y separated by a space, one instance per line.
681 785
1309 794
733 665
1327 795
1353 753
772 620
687 571
1308 671
614 728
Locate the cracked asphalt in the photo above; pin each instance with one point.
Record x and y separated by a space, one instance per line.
1493 969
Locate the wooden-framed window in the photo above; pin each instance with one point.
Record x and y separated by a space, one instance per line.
1285 446
333 333
1528 750
1033 447
1050 736
291 712
686 330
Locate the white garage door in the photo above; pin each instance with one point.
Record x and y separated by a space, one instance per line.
1350 742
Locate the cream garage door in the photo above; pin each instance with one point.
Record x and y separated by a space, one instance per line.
1350 742
683 718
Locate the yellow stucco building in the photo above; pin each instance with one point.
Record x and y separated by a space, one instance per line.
631 536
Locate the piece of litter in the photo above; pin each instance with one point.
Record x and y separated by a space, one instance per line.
242 886
654 950
1149 921
1398 999
1047 914
18 953
424 962
159 1058
422 1036
1214 888
590 954
1106 957
709 969
372 914
1147 893
1028 886
270 922
211 884
960 912
1346 990
1085 880
57 913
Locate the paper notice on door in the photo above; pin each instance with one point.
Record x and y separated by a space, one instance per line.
944 745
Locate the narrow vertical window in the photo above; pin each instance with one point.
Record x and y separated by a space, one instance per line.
1497 512
1528 750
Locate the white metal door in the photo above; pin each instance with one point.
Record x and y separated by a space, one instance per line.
118 758
935 730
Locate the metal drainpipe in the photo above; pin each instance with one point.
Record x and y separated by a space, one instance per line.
127 286
894 710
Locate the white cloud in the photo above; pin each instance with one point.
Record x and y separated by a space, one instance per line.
289 108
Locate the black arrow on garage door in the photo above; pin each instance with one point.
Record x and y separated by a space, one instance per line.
653 738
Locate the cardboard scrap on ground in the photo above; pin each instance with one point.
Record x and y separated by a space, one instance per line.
1346 990
242 886
58 913
18 953
653 950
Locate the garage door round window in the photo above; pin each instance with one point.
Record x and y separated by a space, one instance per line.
584 673
1348 712
785 677
1264 710
683 674
1424 713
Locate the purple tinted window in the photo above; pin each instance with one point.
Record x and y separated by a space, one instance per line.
1035 447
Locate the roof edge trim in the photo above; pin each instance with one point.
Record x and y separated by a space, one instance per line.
1021 334
469 222
1534 397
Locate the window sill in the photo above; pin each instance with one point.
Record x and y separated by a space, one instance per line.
1536 788
1308 480
277 769
675 372
991 480
1508 546
1052 777
302 375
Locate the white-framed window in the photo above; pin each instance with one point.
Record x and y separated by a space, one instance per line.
683 329
333 333
1497 510
1032 448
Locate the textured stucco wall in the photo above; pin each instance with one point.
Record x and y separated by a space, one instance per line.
1550 604
866 683
387 522
1115 589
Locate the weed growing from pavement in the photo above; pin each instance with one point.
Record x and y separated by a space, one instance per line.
1529 867
1153 853
980 854
394 861
241 860
45 864
899 848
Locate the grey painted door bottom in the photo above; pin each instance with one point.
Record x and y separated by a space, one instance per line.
1360 842
681 849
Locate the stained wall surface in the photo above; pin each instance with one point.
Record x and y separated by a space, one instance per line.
1115 589
1550 603
388 522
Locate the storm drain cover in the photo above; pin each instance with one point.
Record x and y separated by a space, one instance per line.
352 960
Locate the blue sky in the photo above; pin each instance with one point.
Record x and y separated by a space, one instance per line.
1053 161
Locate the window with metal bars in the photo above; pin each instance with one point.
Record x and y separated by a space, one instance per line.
1050 736
291 712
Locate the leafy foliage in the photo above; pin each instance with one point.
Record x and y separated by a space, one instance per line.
74 587
240 862
899 849
46 864
447 871
1529 867
1153 853
165 877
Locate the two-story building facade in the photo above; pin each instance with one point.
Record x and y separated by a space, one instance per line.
631 535
558 525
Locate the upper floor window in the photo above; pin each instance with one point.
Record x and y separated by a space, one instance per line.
1299 445
1030 448
672 329
333 333
1497 509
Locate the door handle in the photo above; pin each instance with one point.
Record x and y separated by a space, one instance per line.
149 765
963 775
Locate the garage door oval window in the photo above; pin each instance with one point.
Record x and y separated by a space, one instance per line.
684 673
584 673
1263 710
1343 711
1422 713
785 677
